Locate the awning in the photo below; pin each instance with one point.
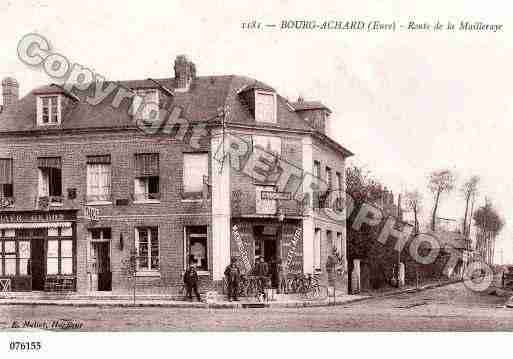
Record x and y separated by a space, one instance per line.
49 162
35 225
146 164
104 159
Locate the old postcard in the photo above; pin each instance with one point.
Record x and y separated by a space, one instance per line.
230 166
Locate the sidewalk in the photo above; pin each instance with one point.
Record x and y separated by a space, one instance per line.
120 300
283 301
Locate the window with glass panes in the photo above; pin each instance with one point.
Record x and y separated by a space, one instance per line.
196 247
59 251
317 169
144 104
147 245
146 184
49 110
329 178
195 168
98 178
265 107
14 254
6 178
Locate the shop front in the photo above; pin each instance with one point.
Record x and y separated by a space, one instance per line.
38 251
270 239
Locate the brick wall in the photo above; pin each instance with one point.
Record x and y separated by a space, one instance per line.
243 183
170 215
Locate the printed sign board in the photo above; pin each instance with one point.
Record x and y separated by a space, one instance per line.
92 213
282 196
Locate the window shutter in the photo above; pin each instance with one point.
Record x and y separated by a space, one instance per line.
104 159
147 165
49 162
5 171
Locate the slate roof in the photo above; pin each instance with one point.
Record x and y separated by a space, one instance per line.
202 102
309 105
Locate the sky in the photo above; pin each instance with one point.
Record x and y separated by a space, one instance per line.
405 102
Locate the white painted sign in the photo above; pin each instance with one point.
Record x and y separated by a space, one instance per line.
92 213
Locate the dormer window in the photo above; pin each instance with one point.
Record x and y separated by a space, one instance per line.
49 110
146 105
265 106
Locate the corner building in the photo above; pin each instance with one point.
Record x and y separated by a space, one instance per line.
92 195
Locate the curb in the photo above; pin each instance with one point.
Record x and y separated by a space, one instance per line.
240 305
305 304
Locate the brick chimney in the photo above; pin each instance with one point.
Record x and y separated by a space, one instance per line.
10 91
185 72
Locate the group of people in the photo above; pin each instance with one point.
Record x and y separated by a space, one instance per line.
269 276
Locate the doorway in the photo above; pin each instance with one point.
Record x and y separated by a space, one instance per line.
267 242
37 256
101 275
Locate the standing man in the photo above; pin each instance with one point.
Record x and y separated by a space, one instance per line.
190 279
261 272
232 274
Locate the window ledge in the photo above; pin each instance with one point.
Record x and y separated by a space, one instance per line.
56 204
192 200
48 124
147 274
98 203
148 201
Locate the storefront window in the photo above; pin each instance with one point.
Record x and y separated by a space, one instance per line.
10 257
24 257
52 262
13 253
196 247
59 253
66 257
147 242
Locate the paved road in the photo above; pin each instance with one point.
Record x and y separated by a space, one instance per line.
447 308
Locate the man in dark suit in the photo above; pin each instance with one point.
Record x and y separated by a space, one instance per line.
190 279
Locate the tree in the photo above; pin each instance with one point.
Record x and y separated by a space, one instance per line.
440 182
413 201
490 223
469 192
361 186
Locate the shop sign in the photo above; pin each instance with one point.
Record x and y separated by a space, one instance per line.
6 202
32 217
92 213
272 196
